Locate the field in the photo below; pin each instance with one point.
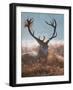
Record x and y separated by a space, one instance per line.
52 65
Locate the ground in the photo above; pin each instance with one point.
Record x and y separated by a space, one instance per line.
52 65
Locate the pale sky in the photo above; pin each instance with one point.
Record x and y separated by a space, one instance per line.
40 27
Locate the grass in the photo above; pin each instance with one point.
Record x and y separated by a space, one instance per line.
52 65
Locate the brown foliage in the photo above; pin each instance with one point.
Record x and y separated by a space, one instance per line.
50 66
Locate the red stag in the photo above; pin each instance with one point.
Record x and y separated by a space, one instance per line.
43 49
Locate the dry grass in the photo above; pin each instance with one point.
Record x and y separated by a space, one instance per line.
52 65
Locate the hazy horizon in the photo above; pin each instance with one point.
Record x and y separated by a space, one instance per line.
29 43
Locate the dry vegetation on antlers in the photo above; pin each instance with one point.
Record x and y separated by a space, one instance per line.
51 66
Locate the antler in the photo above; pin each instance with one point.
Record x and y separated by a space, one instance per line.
28 24
53 24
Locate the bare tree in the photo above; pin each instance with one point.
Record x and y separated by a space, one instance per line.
43 50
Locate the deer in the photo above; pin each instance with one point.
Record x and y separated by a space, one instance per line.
43 45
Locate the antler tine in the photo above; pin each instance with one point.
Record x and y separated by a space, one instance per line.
31 20
53 24
28 22
47 22
43 38
55 34
33 32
